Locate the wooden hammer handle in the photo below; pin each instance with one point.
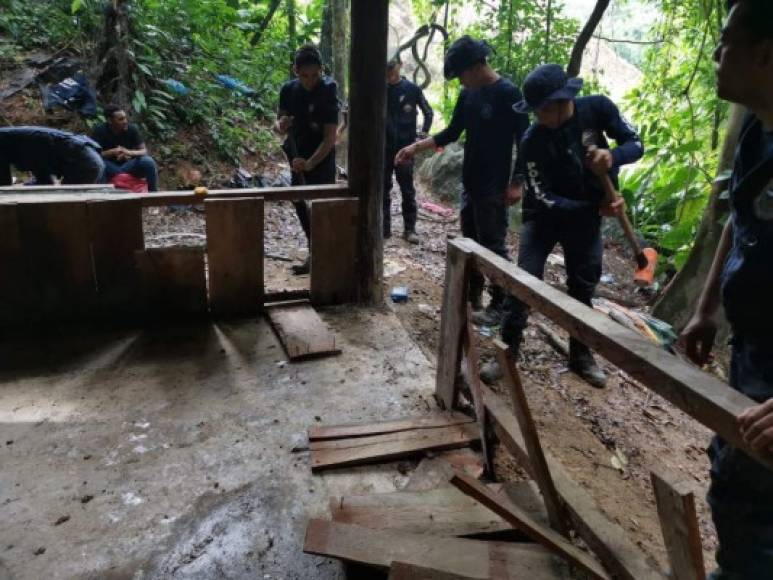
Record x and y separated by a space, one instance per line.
610 196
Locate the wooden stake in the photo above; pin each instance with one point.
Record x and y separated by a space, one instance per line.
679 523
537 460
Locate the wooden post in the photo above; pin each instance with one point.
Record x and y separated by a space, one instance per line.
473 370
334 248
679 522
452 322
367 119
539 465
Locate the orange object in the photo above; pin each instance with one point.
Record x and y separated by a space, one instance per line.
646 275
200 190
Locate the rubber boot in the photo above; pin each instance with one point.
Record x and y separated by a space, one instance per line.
581 361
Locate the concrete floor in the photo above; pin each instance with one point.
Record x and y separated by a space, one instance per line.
166 453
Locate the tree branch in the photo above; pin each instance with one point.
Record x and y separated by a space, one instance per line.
575 61
265 22
626 40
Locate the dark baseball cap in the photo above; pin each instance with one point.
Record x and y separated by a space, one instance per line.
547 82
463 54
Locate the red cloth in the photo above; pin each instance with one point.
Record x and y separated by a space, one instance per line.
130 183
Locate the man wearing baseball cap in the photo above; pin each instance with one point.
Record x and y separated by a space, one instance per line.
563 199
484 111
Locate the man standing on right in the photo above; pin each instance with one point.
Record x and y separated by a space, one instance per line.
741 279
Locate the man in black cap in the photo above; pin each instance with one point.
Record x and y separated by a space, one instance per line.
563 201
49 152
484 111
308 114
404 100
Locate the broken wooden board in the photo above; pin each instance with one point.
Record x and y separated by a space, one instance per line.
301 331
116 234
438 419
389 446
235 255
173 281
607 540
405 571
444 511
468 558
57 250
519 519
334 250
679 523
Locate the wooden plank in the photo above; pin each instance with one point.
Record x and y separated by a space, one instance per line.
518 518
473 370
437 419
472 558
57 188
57 249
15 297
700 395
235 255
334 252
367 135
452 323
164 198
607 540
173 281
388 447
444 511
301 331
679 523
405 571
115 229
531 438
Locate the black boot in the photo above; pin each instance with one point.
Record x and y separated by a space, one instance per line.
581 361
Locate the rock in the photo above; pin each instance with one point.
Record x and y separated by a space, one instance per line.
443 172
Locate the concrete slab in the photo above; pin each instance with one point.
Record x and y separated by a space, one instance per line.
166 453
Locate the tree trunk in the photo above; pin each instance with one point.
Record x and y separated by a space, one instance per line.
265 22
292 32
575 61
677 303
367 131
326 35
113 77
548 29
340 48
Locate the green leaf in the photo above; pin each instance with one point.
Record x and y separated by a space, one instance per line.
76 5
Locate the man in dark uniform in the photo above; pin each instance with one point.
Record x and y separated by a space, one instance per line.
563 196
49 152
404 99
484 111
123 148
741 279
308 114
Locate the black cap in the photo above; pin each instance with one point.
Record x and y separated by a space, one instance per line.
463 54
547 82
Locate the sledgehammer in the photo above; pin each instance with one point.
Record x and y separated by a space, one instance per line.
646 258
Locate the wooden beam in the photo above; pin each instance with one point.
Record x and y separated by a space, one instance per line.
334 251
679 523
164 198
388 447
173 281
116 234
57 188
700 395
473 370
452 322
607 540
438 419
367 122
537 460
472 558
519 519
235 255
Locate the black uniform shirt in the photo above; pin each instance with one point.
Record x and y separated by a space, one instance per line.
486 116
130 139
404 99
311 110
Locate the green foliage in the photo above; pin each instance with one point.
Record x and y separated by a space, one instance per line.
679 117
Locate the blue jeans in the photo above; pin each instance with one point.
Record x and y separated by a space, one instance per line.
579 233
741 491
139 167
